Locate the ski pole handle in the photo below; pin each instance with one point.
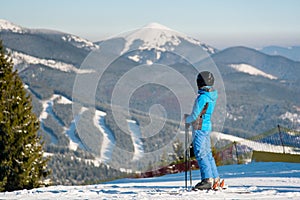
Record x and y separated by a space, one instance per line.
187 125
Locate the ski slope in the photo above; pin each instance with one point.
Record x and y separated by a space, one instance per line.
251 181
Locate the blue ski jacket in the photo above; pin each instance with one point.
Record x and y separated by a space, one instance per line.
204 105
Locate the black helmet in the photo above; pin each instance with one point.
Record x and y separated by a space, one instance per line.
205 78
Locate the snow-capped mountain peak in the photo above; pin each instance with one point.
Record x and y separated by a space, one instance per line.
158 38
152 36
155 25
9 26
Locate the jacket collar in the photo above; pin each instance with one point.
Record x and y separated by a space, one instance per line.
205 89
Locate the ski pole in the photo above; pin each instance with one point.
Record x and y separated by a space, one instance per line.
189 157
186 155
280 135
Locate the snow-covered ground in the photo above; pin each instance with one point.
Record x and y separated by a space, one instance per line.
108 143
251 70
136 138
21 58
251 181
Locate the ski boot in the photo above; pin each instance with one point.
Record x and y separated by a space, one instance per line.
205 184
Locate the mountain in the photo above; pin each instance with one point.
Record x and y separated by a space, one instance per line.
278 67
260 89
155 43
45 44
261 92
292 53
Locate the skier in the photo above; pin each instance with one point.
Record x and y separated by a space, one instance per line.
200 119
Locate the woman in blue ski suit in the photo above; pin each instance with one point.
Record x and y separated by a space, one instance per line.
200 118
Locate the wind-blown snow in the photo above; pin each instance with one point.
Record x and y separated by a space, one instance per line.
251 70
251 181
108 142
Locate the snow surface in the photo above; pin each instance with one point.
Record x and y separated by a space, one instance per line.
251 70
64 100
135 58
136 139
156 36
108 142
257 146
74 40
251 181
80 42
75 142
47 106
8 26
20 58
293 117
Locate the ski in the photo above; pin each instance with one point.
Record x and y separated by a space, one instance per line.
219 185
225 189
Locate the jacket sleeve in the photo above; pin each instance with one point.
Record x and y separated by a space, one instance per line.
197 108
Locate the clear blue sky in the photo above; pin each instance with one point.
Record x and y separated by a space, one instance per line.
220 23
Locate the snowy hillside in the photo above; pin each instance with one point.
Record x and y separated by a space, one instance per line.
72 39
8 26
251 70
252 181
253 145
108 142
22 61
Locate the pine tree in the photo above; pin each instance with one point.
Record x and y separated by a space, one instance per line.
22 165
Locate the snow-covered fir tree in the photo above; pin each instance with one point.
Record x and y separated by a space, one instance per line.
22 165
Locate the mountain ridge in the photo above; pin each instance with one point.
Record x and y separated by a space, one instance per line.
292 52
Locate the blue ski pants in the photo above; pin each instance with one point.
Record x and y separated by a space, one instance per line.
202 151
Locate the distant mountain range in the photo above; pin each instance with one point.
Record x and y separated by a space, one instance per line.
261 90
292 52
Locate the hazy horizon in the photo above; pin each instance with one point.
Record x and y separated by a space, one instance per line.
220 24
